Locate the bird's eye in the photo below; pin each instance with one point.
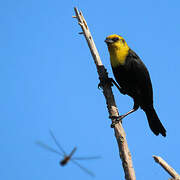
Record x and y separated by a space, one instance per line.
115 39
123 40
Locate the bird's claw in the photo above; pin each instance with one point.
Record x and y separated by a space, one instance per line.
100 85
105 82
113 124
115 120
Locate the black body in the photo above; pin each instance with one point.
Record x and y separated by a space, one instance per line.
133 77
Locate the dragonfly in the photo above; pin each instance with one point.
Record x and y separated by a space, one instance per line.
67 157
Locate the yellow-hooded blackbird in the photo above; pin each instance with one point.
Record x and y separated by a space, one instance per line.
133 78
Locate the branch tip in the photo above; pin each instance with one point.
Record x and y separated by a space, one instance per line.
156 158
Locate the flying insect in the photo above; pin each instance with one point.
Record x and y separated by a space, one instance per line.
67 157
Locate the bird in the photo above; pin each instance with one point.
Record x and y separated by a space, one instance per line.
133 79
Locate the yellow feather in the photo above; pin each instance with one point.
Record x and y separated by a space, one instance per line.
118 51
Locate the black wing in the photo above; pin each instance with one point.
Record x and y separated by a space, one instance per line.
141 79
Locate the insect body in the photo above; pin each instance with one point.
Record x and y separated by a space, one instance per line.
67 158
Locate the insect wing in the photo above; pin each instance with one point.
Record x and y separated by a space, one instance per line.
57 143
83 168
86 158
41 144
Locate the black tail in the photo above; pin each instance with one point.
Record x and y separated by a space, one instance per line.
154 122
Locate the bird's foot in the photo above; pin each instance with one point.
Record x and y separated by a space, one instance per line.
115 120
100 85
105 82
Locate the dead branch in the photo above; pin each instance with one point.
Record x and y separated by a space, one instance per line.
167 168
120 135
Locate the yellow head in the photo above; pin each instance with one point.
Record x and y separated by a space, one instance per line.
118 49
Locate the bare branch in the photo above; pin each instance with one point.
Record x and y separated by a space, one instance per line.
167 167
110 101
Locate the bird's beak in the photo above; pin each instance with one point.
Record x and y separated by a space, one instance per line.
108 41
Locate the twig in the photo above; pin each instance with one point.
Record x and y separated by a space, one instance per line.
110 101
167 167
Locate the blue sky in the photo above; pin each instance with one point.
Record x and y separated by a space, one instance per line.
49 81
